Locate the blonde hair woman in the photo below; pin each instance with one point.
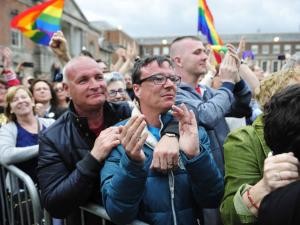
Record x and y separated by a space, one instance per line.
19 137
275 83
250 174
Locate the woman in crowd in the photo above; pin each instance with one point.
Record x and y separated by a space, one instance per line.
19 137
3 89
249 172
61 95
116 88
45 99
282 134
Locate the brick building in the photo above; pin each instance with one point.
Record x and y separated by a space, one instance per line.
78 31
114 37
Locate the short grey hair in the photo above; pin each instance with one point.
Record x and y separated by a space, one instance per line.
113 76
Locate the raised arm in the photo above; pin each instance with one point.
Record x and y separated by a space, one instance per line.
59 46
123 177
8 73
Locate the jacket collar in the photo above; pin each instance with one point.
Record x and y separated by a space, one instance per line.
164 118
187 87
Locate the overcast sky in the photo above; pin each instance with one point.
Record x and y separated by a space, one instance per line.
179 17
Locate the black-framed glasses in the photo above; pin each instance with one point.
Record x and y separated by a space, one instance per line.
113 93
160 79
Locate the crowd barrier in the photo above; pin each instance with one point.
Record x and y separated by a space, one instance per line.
20 201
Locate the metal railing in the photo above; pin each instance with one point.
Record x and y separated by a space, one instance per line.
101 212
19 198
20 201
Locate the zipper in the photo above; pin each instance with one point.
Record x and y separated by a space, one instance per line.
172 191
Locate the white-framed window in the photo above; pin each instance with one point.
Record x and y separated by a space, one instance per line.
16 38
265 49
276 49
276 65
146 51
156 51
77 37
254 49
287 49
264 66
165 50
92 49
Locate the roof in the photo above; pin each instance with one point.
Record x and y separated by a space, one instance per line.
103 25
254 37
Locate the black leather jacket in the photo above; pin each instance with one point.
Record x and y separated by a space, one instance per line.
68 175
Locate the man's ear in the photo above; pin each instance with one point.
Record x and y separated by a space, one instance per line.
177 61
136 88
66 89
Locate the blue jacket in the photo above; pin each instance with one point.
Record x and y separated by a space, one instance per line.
212 107
132 191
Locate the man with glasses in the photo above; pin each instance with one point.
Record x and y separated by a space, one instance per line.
131 187
73 150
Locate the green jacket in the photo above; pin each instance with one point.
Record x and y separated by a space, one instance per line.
244 151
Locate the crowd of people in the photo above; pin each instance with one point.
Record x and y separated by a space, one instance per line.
171 139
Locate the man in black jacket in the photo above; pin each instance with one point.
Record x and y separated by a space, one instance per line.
72 151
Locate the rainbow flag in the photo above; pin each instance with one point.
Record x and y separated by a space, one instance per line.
206 24
206 27
40 22
217 50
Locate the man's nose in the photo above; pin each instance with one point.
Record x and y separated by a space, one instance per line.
94 83
119 93
169 82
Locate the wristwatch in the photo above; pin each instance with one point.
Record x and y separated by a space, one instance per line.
170 135
243 62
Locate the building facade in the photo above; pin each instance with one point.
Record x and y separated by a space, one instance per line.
78 31
113 38
270 49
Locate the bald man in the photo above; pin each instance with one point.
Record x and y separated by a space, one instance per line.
73 149
210 106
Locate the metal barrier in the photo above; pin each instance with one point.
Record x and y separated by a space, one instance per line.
20 201
101 212
19 198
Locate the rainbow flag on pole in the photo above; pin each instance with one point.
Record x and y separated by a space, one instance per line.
206 24
206 27
40 22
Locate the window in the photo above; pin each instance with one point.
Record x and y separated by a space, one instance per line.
265 49
276 49
254 49
165 50
146 51
78 39
264 66
275 66
92 48
156 51
287 49
15 38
